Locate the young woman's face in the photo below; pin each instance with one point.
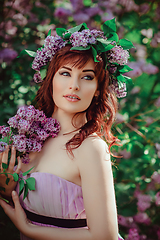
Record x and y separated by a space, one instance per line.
73 88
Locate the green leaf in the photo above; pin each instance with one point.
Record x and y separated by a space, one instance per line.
25 173
87 3
126 44
4 165
30 53
31 183
124 69
21 186
60 31
109 26
113 37
103 41
78 28
104 45
5 140
81 48
109 47
25 191
94 52
15 176
121 78
49 33
7 181
43 73
4 200
128 79
67 36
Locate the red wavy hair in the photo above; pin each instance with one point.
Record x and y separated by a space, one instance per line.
102 110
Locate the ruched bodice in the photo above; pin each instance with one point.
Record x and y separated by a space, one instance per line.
55 197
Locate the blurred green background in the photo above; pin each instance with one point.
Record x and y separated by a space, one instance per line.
25 24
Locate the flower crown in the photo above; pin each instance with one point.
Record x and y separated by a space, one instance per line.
106 43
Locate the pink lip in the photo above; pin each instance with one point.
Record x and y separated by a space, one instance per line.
72 97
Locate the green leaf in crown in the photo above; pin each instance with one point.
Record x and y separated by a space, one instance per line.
81 48
60 31
126 44
124 69
78 28
30 53
109 27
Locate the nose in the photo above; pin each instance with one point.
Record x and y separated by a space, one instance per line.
74 84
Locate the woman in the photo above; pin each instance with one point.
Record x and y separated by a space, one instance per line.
73 171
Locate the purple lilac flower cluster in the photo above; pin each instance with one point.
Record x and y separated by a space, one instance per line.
120 92
118 55
85 37
45 54
28 130
3 145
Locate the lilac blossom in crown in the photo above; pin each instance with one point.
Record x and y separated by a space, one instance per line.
97 33
85 37
78 39
51 45
118 55
28 130
105 44
37 77
120 92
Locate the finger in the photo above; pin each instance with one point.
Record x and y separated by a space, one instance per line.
7 208
19 166
16 202
5 156
12 159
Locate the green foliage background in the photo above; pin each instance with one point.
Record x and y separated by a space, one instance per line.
137 124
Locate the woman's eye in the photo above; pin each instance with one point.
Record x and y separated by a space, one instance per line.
65 73
88 77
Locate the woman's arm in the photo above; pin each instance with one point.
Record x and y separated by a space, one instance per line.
98 189
99 199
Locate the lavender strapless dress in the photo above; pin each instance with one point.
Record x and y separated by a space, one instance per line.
54 197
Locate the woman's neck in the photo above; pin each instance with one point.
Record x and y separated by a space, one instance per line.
68 122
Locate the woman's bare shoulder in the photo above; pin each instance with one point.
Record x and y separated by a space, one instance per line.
94 144
93 149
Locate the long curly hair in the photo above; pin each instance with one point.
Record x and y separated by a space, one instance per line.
102 110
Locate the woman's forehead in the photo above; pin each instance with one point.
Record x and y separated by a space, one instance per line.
79 63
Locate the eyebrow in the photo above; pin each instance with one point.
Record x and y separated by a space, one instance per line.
88 70
85 70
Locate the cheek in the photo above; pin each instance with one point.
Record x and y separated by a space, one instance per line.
89 93
57 89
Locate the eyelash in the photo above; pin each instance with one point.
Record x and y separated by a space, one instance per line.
86 77
89 77
64 73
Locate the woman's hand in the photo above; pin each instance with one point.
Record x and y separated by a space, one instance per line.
4 159
17 214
